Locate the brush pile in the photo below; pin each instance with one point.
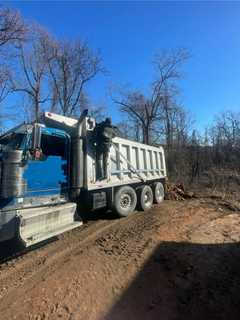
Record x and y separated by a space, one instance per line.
177 192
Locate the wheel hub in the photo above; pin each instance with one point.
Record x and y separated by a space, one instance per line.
125 201
159 192
147 198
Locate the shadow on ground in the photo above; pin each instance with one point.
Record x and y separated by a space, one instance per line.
14 248
184 281
100 214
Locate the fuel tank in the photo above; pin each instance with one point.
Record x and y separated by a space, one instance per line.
12 182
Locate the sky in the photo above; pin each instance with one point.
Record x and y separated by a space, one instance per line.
129 34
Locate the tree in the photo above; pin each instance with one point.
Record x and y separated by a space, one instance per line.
73 65
12 30
225 139
33 69
12 27
147 109
4 82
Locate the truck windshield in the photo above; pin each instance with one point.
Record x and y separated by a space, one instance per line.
12 141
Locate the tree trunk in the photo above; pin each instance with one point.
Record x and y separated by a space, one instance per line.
146 134
36 108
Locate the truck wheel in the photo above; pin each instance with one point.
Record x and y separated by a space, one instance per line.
158 192
145 198
125 201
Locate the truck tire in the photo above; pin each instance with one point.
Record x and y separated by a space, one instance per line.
145 198
125 201
158 192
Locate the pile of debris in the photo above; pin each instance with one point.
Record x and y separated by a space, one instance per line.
177 192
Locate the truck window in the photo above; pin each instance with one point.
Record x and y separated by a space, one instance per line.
53 146
13 141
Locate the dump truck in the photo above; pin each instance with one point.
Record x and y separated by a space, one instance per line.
53 170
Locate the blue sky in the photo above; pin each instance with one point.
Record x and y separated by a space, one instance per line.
128 34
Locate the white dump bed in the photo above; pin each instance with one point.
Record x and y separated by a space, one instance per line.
128 162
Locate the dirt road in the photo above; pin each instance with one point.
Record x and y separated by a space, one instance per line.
179 261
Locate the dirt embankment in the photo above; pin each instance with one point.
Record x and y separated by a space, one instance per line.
179 261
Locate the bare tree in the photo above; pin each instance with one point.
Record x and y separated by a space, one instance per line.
4 82
227 125
72 67
12 27
134 105
33 69
225 139
147 110
12 30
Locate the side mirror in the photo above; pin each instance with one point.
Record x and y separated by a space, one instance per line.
36 141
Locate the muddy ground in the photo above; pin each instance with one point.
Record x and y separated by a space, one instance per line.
181 260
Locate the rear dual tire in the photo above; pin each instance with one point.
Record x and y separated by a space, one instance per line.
145 198
126 199
158 192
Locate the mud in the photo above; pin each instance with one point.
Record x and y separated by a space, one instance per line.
181 260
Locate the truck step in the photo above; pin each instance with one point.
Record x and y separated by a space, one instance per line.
38 224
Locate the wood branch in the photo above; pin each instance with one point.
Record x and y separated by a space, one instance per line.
22 56
129 108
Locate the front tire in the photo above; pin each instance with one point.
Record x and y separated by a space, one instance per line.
125 201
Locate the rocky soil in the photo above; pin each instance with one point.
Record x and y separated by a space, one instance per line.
181 260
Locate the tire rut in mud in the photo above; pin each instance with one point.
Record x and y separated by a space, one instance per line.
21 265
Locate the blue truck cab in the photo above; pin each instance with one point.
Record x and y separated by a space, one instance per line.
35 182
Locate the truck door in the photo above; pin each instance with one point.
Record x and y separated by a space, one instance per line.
48 175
